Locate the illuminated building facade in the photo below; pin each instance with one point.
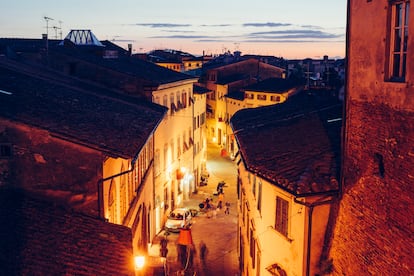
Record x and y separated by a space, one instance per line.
175 163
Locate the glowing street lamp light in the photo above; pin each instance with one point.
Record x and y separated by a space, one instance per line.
139 262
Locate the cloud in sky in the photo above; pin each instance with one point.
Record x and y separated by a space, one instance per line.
180 36
267 24
216 25
178 31
278 33
291 34
311 27
162 25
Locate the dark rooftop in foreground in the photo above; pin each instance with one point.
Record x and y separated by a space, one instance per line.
38 237
302 150
80 112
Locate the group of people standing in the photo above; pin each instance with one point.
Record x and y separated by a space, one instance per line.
208 206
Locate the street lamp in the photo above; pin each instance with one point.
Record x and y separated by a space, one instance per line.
139 262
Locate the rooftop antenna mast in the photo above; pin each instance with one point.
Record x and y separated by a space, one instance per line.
55 28
47 19
60 29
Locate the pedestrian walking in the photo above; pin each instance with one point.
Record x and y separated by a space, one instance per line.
227 211
220 201
203 252
220 186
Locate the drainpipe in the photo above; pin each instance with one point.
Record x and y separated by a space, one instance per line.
194 142
311 206
309 239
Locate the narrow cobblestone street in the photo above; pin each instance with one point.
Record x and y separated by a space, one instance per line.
216 229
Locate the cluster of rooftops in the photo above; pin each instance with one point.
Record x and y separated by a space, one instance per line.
301 152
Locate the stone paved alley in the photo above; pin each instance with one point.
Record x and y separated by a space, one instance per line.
218 232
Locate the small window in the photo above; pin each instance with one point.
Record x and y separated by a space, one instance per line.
259 197
275 98
252 248
398 40
254 186
157 169
282 210
249 96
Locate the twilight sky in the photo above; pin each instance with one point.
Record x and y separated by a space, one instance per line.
289 29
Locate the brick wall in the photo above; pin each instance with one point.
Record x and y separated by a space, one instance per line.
375 224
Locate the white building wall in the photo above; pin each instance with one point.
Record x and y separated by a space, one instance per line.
173 131
200 139
272 246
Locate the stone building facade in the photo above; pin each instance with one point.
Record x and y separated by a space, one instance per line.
374 229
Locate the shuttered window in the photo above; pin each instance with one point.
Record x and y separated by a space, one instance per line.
282 210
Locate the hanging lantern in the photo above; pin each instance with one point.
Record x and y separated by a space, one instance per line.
179 174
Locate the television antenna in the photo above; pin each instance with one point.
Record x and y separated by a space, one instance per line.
60 29
56 28
47 19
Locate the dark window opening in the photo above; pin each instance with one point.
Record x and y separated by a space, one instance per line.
5 151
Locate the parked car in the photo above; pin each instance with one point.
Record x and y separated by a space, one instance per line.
178 218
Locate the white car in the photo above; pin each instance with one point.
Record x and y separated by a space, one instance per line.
179 218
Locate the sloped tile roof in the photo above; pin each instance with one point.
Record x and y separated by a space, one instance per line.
110 122
136 67
38 237
236 95
302 150
145 70
197 89
231 78
277 85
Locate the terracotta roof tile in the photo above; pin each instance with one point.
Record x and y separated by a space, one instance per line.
85 114
276 85
38 237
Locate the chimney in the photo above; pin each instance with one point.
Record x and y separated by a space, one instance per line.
46 43
130 49
44 38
